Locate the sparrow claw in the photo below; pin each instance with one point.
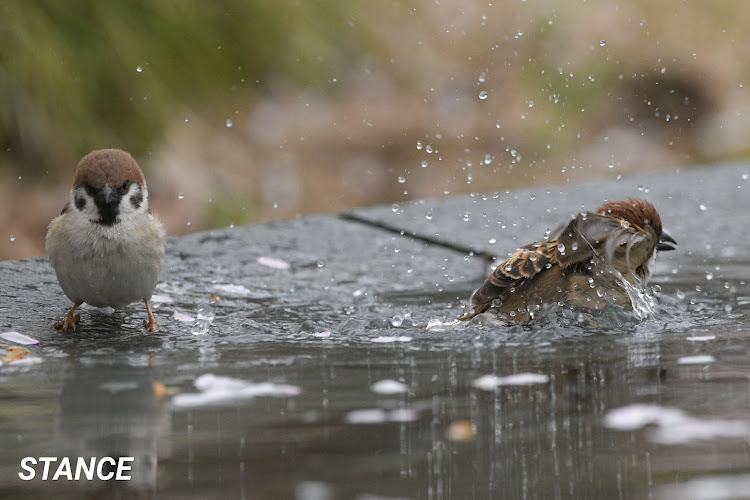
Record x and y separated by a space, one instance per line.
150 325
71 319
69 323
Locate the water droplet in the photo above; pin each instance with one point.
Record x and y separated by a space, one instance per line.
395 207
180 195
611 165
532 257
482 78
561 248
532 196
487 159
702 207
744 176
229 123
469 178
428 148
574 246
709 276
424 163
508 266
401 180
12 237
467 216
139 69
492 241
320 263
419 144
602 43
428 215
397 320
483 95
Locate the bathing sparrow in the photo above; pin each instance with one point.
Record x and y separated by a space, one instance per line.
582 266
106 247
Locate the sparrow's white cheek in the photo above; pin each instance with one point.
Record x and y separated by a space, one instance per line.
135 200
84 203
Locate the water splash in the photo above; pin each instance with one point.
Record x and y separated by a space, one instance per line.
203 321
645 305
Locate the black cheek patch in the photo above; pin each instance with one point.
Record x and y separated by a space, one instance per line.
136 199
80 202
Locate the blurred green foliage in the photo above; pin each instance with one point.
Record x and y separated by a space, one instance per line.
80 75
229 210
262 109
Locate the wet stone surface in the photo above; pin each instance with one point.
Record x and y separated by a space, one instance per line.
318 358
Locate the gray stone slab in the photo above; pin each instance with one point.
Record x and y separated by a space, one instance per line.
704 208
336 268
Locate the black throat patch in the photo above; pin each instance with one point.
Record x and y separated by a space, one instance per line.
108 207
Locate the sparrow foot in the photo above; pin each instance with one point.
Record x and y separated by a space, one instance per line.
151 326
150 323
71 319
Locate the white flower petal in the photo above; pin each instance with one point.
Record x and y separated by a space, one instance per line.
18 338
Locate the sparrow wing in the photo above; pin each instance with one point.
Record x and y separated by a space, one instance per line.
629 250
583 238
65 208
524 263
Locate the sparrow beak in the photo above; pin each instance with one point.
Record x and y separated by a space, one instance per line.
666 243
108 194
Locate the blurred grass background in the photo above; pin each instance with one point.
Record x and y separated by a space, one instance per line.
243 111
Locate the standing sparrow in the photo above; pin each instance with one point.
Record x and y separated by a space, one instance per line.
583 266
106 247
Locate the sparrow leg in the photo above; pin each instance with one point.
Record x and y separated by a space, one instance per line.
150 324
70 321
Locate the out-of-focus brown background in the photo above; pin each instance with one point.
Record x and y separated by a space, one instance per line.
247 111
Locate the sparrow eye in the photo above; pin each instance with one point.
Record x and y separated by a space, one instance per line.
124 188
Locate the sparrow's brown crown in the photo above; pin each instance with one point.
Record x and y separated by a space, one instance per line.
634 211
107 166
